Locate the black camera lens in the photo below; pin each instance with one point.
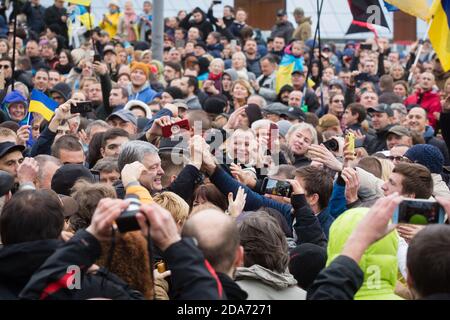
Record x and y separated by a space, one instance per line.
332 145
127 221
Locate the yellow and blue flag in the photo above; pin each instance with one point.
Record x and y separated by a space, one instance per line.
416 8
288 64
440 31
42 104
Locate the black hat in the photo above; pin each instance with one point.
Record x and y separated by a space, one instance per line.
6 182
174 92
8 147
305 263
296 113
215 104
63 89
201 44
281 13
66 176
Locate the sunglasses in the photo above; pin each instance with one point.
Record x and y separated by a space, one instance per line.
4 66
399 159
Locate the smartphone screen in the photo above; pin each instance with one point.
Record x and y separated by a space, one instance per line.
81 107
420 212
277 187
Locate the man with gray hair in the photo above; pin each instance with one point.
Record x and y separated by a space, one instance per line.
95 127
47 168
147 154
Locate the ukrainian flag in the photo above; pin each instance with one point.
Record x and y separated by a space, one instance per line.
42 104
440 31
288 64
416 8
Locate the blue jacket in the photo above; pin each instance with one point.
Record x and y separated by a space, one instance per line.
225 183
215 50
146 95
326 220
338 203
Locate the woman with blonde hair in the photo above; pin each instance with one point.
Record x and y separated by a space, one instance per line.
241 90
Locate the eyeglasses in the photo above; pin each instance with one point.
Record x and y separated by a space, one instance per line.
399 159
4 66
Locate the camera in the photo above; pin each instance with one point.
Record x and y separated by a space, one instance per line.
418 211
277 187
127 220
332 145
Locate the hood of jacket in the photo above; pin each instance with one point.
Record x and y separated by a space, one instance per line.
19 261
379 262
273 279
429 132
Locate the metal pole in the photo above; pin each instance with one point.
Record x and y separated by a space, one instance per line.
158 30
14 49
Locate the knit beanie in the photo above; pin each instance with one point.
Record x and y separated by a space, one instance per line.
141 66
426 155
305 263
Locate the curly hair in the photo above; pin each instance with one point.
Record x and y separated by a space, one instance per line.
88 195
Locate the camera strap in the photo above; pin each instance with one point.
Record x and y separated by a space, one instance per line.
110 254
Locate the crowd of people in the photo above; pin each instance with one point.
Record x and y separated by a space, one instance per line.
158 188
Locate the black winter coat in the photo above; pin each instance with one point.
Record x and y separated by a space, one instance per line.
19 262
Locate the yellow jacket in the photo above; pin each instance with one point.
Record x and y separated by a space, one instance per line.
111 26
142 193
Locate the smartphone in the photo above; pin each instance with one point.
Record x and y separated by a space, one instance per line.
277 187
217 2
175 128
351 142
97 58
273 134
366 46
419 211
81 107
233 44
332 145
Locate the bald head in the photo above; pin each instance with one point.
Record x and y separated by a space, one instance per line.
217 236
427 81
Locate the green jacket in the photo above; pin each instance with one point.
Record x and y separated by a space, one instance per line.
379 262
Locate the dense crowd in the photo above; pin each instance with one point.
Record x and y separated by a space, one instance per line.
151 179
